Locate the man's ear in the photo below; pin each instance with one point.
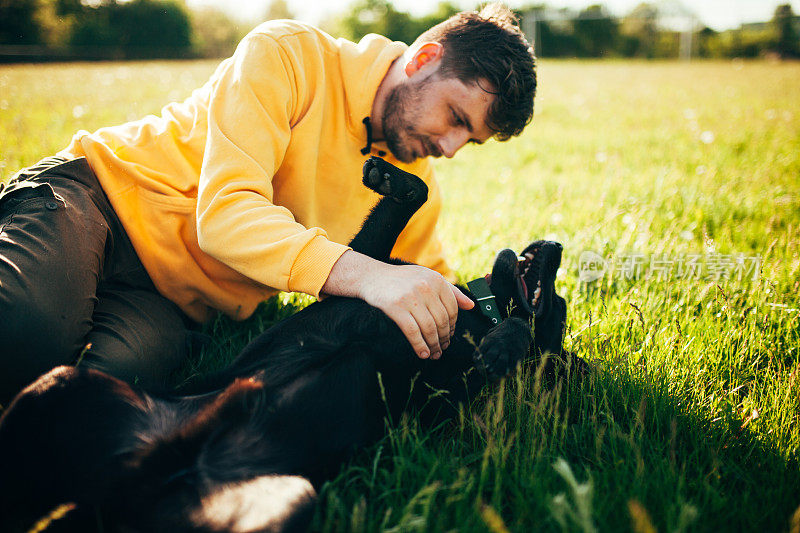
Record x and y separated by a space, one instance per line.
427 54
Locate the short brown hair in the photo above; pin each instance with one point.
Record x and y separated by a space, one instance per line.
490 46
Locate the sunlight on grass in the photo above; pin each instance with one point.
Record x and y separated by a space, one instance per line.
690 417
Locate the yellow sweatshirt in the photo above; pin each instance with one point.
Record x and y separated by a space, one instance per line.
253 184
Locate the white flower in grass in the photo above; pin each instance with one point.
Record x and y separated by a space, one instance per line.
687 235
707 137
78 111
700 170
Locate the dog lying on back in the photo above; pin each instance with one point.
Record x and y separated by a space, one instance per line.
245 452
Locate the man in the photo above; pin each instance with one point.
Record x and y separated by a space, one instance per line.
111 251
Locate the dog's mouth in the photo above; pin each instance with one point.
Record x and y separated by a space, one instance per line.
533 274
537 267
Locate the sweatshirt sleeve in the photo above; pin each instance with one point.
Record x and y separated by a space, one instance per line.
419 242
249 127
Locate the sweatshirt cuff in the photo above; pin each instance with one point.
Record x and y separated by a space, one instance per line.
313 265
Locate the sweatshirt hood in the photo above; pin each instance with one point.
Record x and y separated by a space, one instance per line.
363 67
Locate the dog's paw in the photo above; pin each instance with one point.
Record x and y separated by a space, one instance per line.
388 180
492 361
503 347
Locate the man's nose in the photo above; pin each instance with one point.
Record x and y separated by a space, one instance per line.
452 142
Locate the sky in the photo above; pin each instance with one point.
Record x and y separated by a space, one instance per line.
717 14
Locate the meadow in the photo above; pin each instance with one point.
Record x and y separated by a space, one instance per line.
685 180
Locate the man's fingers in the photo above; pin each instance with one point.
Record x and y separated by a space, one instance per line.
408 325
464 301
429 330
451 306
442 320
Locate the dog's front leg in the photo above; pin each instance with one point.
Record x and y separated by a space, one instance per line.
403 194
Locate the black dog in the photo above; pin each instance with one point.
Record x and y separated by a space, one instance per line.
245 453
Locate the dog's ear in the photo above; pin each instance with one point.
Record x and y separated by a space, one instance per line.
266 503
178 450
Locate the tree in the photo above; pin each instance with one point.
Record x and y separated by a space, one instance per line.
550 32
68 7
704 39
786 38
278 9
377 16
152 28
136 28
640 31
443 11
380 16
214 33
596 31
18 23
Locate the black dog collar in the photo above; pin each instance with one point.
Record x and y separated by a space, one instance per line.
488 306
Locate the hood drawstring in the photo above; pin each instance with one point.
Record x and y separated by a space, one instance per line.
368 147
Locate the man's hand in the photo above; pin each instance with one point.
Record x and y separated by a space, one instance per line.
419 300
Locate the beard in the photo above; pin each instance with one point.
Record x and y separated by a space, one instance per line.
400 113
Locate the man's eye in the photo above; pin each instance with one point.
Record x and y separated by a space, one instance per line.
456 119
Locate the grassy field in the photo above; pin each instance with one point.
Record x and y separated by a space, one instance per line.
690 420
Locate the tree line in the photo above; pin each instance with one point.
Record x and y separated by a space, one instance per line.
594 32
137 29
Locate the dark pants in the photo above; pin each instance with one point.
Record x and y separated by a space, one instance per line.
72 288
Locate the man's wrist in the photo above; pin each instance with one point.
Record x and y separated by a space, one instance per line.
349 275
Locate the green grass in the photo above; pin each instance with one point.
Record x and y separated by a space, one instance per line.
690 419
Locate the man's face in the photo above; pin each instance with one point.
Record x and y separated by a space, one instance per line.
434 116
